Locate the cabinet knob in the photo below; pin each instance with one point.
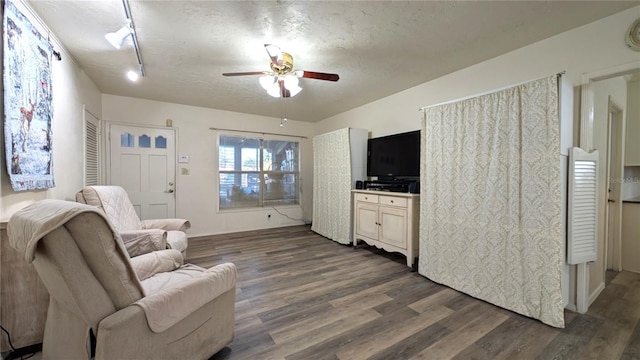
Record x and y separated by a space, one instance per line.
392 201
366 198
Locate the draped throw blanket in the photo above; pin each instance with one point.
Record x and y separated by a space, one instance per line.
490 223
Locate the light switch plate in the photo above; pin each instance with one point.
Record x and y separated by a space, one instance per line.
183 159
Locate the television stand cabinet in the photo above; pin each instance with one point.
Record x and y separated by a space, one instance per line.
388 221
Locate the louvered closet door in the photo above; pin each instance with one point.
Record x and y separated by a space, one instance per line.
583 206
91 149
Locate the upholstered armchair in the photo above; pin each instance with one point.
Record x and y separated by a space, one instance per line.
139 236
152 308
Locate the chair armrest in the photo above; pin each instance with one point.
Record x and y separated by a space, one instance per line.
166 307
166 224
149 264
138 242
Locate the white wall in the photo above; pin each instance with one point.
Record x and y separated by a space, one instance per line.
631 186
197 193
71 90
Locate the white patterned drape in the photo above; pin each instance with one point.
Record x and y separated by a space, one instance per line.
332 186
490 223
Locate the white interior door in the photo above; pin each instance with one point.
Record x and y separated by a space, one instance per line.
615 173
142 161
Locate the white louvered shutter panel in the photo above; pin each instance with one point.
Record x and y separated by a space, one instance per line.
91 152
582 206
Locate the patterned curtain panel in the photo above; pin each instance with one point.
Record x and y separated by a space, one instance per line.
28 100
332 186
490 212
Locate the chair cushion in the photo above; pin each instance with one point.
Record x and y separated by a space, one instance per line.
114 201
177 240
183 291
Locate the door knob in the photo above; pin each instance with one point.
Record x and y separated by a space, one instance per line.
611 200
169 191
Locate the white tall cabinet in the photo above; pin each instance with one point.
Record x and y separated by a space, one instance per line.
339 160
387 220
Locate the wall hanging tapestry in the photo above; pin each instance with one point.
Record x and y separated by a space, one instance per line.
28 108
490 211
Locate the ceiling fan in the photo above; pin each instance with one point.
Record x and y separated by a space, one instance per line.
282 80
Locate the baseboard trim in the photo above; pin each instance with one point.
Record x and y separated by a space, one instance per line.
594 295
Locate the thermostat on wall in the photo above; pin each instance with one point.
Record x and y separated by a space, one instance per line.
183 159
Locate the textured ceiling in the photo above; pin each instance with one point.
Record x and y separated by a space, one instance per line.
378 48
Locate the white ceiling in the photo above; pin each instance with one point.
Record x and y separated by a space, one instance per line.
378 48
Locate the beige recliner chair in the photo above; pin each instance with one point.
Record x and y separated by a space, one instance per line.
151 308
139 236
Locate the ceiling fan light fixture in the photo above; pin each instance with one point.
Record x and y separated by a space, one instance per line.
267 81
290 81
294 90
117 38
274 90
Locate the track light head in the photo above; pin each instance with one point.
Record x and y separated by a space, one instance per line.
116 38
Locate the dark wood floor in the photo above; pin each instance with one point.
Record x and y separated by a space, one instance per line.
302 296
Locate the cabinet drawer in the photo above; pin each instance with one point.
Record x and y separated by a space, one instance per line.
367 198
393 201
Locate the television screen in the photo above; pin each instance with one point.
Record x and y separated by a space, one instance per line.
394 156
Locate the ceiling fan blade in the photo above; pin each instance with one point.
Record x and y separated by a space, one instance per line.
317 75
247 73
275 54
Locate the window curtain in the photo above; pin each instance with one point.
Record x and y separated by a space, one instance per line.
332 185
490 213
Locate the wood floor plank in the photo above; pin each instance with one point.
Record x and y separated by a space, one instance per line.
609 340
371 329
302 296
368 346
459 340
568 343
306 337
413 344
500 338
533 341
332 317
632 350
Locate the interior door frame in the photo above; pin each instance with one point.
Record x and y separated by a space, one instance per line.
586 143
615 173
107 147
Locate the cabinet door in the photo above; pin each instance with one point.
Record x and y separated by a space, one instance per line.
367 220
393 226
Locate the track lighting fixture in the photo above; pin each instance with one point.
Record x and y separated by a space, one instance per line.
117 38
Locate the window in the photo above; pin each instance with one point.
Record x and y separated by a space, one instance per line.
257 172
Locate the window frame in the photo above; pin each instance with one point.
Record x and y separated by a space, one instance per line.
262 203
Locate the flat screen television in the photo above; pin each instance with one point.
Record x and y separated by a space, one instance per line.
394 156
